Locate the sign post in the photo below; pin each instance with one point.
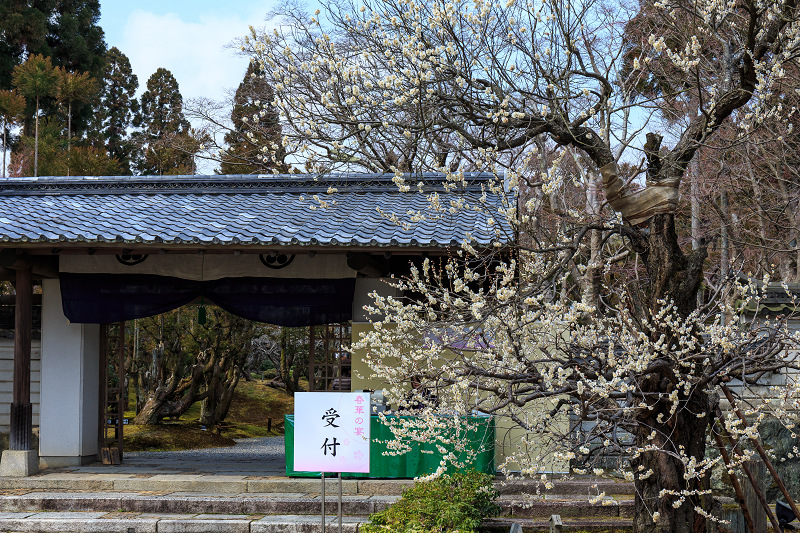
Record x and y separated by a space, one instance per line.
331 435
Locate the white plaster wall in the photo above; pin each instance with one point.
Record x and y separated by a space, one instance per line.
361 297
363 377
70 375
7 380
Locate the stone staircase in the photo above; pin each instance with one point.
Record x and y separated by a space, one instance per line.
198 503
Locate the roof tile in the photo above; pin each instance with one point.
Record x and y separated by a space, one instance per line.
239 209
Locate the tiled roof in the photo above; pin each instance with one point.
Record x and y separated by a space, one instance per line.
231 210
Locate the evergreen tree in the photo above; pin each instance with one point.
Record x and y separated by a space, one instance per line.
74 38
55 159
36 79
165 137
23 26
66 31
73 88
77 43
118 108
162 105
12 111
254 127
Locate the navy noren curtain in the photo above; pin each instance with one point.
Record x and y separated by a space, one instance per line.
108 298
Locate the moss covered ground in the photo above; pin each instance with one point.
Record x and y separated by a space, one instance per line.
257 411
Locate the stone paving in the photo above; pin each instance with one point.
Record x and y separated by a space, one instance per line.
245 489
93 522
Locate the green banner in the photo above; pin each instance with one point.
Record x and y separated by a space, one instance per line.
421 460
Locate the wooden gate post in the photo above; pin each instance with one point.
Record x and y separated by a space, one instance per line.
20 459
21 437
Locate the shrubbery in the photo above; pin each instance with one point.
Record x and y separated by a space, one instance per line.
450 503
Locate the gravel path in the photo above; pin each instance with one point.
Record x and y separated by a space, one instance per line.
267 452
245 449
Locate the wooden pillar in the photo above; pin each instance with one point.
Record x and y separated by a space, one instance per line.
311 356
21 437
121 386
102 415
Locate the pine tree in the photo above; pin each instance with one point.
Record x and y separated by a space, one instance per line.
162 105
36 79
74 38
118 108
66 32
12 110
54 157
74 88
165 135
23 26
253 129
76 42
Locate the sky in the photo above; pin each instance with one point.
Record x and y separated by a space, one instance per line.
190 38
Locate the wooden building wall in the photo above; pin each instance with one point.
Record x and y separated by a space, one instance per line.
6 379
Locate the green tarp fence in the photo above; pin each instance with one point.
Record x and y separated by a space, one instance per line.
421 460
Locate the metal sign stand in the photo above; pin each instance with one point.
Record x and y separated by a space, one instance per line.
323 502
339 419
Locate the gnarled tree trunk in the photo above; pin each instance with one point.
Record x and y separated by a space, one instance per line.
683 434
171 398
673 278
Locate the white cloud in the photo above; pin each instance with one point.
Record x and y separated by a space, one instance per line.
196 53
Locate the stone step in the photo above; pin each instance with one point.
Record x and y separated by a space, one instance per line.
285 503
118 522
85 522
578 487
183 503
233 484
573 508
570 524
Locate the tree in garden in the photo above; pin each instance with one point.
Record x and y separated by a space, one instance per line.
253 127
592 314
165 140
118 107
180 362
76 42
228 341
36 79
250 131
73 88
23 26
286 349
165 374
56 160
12 109
66 31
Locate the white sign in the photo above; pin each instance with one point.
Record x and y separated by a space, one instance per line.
331 432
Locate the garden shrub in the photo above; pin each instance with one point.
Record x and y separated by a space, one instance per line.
450 503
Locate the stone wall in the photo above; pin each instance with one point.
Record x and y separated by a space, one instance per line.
783 444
